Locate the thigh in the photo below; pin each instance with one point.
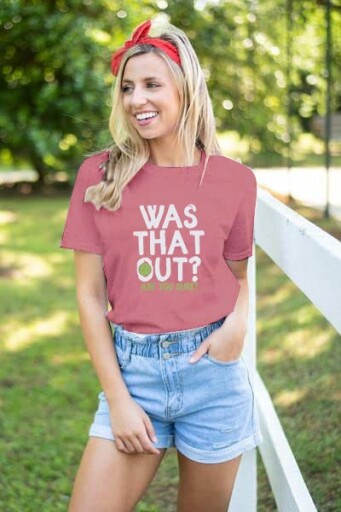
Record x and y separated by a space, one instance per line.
204 486
109 480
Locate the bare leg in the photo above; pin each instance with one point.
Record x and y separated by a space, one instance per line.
204 487
109 480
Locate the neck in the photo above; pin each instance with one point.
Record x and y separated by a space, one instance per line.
170 154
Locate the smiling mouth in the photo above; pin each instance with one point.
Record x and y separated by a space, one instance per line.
145 117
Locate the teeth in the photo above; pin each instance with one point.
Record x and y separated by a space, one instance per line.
140 117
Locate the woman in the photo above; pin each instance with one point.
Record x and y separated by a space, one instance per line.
162 226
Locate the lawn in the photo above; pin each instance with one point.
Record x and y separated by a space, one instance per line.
48 390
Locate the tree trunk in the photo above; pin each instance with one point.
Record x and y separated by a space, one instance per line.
39 166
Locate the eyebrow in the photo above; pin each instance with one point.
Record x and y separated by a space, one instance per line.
145 79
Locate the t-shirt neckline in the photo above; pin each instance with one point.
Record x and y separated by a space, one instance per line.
173 170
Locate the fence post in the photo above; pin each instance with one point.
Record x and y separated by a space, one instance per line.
244 496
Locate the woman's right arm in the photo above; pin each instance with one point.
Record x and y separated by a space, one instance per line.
92 306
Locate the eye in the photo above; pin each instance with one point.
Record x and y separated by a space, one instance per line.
152 84
125 88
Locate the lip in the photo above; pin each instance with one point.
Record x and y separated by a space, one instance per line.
145 112
145 122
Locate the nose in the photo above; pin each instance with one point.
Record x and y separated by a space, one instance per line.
138 97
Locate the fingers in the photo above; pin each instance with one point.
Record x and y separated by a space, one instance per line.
199 353
140 442
147 444
150 429
120 445
135 443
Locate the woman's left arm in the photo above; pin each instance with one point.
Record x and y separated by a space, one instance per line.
226 343
240 312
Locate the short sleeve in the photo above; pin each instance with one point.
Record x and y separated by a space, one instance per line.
80 231
239 244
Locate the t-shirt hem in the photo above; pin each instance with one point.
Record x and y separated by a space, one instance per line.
77 247
169 329
240 256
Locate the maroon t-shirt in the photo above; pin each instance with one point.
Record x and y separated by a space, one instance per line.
164 249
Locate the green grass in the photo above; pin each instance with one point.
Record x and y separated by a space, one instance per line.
48 388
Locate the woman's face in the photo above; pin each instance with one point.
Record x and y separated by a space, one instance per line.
150 97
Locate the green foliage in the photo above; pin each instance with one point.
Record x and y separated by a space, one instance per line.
249 77
55 81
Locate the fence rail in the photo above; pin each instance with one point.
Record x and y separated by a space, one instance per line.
311 258
289 489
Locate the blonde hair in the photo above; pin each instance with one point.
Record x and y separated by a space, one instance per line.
196 124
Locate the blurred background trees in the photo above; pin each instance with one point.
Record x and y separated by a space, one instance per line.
261 60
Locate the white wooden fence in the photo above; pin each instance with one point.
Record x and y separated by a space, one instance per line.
311 258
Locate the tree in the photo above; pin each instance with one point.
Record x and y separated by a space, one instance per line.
55 81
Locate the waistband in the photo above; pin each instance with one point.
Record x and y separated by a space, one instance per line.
173 341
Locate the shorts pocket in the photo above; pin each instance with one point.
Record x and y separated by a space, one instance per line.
123 354
213 360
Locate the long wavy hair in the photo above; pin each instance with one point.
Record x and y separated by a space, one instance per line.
195 127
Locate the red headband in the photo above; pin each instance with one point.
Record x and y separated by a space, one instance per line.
140 36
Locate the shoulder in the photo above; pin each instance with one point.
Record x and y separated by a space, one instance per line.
91 168
234 171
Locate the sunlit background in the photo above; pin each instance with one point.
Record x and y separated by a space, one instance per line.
273 73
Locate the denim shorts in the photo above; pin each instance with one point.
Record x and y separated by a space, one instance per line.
206 409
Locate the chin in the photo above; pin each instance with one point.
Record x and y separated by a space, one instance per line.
151 136
148 137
